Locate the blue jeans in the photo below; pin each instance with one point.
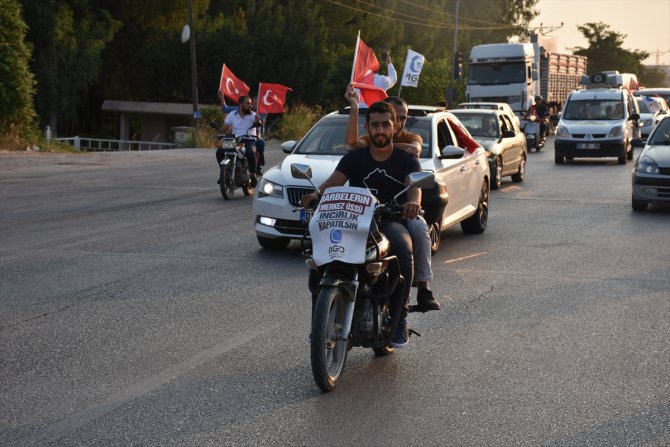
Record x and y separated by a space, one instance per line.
255 153
401 247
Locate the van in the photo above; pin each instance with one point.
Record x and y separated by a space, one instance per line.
597 122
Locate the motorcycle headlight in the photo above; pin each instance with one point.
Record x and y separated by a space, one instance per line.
616 131
562 132
228 143
647 165
268 188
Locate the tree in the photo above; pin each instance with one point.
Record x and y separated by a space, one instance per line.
16 80
605 50
69 38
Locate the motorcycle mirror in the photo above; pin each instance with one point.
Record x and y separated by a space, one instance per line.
418 179
303 172
422 179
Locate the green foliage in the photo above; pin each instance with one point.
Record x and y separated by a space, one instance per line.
297 121
653 77
16 80
605 50
69 38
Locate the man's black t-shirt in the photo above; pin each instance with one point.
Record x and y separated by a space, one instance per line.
384 178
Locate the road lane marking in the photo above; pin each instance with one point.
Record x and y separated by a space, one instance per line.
451 261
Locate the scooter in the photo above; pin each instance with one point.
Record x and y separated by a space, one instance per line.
354 280
532 131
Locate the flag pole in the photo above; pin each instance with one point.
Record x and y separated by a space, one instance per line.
258 108
353 66
399 88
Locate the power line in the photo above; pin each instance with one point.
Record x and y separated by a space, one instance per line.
417 20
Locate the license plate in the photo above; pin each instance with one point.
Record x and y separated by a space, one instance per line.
306 215
588 145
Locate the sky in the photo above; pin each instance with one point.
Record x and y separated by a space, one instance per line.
646 23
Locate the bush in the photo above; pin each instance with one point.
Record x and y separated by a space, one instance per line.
297 121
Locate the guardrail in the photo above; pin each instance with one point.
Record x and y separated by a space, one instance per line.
103 144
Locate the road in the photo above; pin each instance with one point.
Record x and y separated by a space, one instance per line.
136 308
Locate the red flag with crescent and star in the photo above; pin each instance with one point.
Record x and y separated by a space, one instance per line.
365 63
466 142
271 97
231 86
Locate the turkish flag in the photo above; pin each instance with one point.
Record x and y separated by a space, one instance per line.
231 86
370 94
271 98
466 141
365 64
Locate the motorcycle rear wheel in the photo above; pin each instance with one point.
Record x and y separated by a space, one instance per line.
328 345
226 182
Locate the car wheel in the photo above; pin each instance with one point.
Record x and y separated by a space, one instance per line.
273 243
558 159
435 231
477 222
622 159
521 174
639 205
496 174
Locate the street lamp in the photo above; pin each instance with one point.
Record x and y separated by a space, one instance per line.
188 35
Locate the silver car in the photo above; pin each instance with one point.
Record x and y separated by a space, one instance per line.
505 144
651 173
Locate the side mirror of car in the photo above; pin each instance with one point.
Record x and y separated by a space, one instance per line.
634 116
508 134
451 152
288 146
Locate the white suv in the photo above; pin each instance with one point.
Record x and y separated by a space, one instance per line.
597 122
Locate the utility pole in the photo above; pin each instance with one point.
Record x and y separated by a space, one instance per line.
194 76
452 90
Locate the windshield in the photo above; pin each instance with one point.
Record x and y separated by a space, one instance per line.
328 137
661 134
497 73
594 109
480 125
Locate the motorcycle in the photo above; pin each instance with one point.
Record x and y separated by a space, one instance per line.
353 280
234 168
532 130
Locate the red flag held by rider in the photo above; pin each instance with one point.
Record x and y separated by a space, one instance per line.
370 94
271 97
231 86
365 63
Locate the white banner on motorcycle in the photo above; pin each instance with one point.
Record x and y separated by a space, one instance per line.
340 225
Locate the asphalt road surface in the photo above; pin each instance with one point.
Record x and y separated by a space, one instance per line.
136 308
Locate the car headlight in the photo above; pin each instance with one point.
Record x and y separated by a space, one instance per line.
617 131
647 165
268 188
562 132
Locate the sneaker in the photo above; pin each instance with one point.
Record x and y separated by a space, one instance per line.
401 336
425 301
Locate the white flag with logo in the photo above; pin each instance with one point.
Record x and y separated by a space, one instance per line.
413 66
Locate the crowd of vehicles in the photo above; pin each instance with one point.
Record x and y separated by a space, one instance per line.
515 73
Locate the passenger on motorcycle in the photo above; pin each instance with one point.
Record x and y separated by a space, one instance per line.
245 123
383 170
418 228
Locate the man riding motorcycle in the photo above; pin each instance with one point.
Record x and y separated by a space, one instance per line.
245 122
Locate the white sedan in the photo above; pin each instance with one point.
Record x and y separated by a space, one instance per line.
461 194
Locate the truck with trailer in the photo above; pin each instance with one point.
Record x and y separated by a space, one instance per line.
516 73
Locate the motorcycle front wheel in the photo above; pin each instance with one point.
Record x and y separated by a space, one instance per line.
226 182
328 344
